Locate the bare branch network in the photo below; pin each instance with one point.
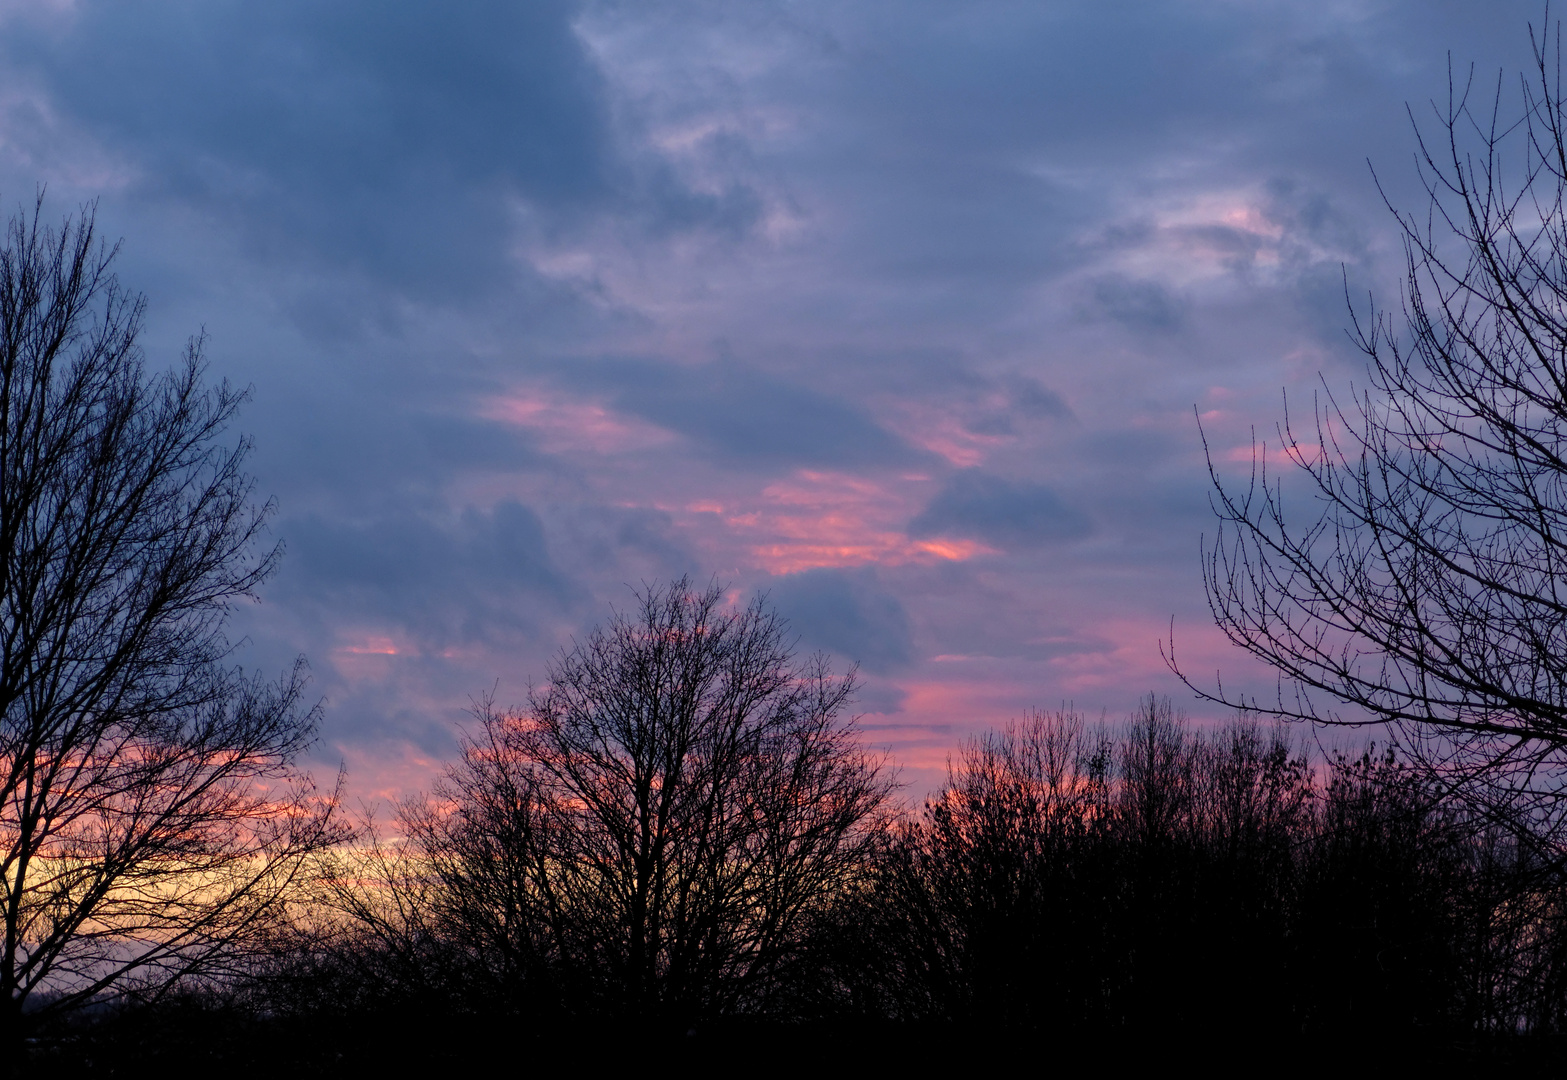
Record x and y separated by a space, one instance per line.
1430 590
661 832
151 816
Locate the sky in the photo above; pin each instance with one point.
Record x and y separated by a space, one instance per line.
905 314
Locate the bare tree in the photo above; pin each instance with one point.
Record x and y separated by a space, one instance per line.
1430 589
151 817
665 824
966 922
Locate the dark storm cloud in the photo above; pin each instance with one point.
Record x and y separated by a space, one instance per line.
1005 513
847 612
746 417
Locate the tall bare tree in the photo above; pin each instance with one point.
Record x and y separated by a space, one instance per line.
664 825
151 815
1428 589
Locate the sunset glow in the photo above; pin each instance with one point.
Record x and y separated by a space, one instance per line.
907 321
695 535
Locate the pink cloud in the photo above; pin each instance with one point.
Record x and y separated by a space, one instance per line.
387 771
378 646
563 425
824 519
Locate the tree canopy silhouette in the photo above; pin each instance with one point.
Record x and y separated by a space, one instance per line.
660 832
151 815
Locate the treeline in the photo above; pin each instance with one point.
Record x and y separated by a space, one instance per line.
1165 880
1067 879
681 841
1151 883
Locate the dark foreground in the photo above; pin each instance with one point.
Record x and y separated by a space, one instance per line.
199 1037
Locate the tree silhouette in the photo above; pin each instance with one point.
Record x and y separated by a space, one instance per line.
1430 591
660 832
151 818
1218 886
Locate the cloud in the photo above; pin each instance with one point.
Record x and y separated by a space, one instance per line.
408 143
1005 513
1139 305
622 544
480 578
889 220
364 454
847 612
747 418
1032 399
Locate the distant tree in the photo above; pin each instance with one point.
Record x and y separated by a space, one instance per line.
988 907
661 831
1428 587
1381 924
151 815
1169 882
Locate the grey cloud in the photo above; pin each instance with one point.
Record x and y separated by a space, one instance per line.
381 137
1090 74
932 170
1024 399
999 136
847 612
1033 399
1006 513
1003 140
1330 259
881 697
468 599
1140 305
978 617
394 140
470 580
749 418
1312 216
629 543
363 454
